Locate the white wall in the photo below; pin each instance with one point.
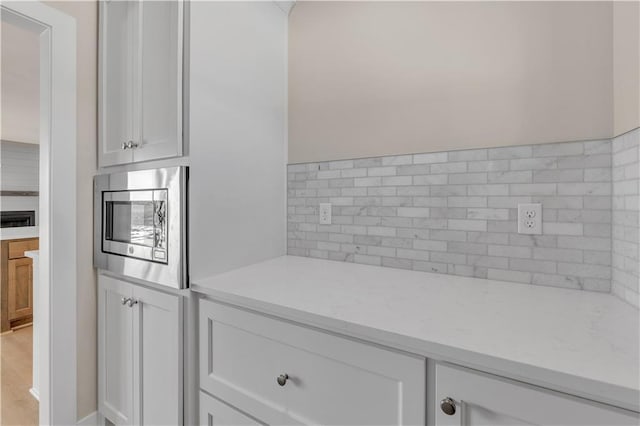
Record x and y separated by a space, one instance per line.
237 135
20 204
626 66
20 84
378 78
19 166
19 171
86 14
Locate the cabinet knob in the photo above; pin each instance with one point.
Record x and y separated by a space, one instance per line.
125 300
448 406
132 302
129 145
282 379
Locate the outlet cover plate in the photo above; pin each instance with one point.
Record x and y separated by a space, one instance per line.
325 214
530 219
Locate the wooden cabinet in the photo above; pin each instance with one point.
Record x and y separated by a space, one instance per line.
482 399
281 373
20 288
16 279
18 247
140 354
140 81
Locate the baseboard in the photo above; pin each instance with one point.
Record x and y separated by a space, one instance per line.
25 325
34 393
90 420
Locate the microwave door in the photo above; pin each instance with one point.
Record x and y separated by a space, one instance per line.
130 225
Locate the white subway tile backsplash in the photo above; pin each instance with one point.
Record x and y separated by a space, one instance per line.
533 164
510 177
342 164
430 180
416 169
559 228
468 225
558 149
494 189
489 166
413 212
467 178
510 152
371 181
437 157
455 212
397 160
397 180
561 175
468 155
455 167
625 259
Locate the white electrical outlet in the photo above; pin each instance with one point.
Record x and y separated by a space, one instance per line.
530 219
325 213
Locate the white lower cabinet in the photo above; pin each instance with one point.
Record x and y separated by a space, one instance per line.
258 369
140 348
281 373
115 346
467 398
216 413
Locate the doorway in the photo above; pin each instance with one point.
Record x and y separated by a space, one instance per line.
55 323
19 181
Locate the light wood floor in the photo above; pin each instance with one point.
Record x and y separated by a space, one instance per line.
17 406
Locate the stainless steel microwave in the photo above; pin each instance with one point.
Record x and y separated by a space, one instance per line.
140 225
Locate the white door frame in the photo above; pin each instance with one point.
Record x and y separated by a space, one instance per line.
57 333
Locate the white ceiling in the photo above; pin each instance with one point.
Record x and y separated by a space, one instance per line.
19 85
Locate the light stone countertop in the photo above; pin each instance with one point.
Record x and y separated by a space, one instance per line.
19 232
579 342
34 254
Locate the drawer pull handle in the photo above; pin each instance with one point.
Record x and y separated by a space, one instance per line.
448 406
282 379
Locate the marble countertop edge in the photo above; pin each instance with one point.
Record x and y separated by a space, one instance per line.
19 233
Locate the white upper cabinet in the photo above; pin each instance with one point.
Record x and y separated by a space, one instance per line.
161 81
116 83
140 86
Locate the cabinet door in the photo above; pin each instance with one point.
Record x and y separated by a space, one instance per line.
157 331
215 413
482 399
115 351
160 80
20 288
283 373
118 59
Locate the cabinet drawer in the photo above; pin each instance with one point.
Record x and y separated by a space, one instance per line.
17 248
484 399
331 379
216 413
